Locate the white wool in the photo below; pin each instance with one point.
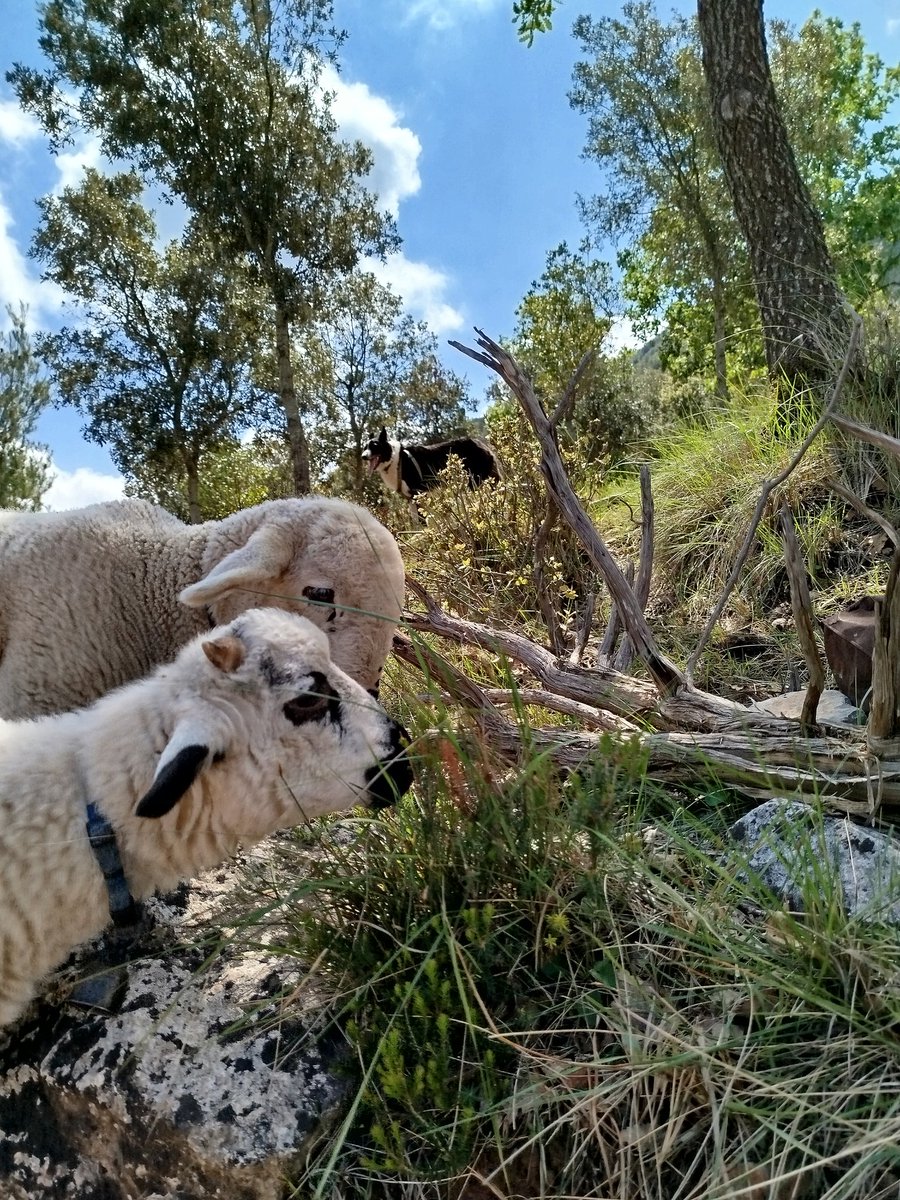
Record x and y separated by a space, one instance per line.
227 692
96 597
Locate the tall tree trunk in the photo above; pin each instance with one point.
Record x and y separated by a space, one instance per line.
801 307
299 446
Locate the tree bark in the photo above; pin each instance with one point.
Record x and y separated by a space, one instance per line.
297 443
801 307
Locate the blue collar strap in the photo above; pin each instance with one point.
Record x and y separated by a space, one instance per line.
123 908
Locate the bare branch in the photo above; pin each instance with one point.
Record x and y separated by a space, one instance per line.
645 564
864 511
584 630
874 437
801 606
665 674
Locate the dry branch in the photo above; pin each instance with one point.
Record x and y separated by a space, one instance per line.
645 565
685 732
665 674
801 606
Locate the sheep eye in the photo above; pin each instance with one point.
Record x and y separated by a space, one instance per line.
312 704
319 595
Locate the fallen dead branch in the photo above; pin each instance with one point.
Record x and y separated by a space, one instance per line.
665 674
685 732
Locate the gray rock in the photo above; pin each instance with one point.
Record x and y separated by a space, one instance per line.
833 709
200 1083
799 852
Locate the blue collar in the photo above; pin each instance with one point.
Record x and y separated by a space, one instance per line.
123 908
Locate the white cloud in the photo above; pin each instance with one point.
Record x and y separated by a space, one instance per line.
74 489
17 283
421 288
363 116
71 165
16 126
445 14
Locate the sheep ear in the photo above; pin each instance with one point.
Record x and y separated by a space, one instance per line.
172 780
267 553
226 653
195 741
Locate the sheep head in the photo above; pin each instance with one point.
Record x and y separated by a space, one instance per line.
271 731
330 560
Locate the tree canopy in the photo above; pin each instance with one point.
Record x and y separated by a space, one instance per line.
24 393
160 355
221 104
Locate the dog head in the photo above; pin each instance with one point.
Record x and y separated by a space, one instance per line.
379 451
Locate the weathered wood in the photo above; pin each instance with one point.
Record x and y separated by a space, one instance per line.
645 564
665 674
886 660
801 606
874 437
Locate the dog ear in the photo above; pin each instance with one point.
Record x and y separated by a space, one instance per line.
266 555
383 439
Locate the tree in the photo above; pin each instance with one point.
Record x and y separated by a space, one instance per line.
800 304
221 104
233 475
160 361
686 257
367 363
24 393
644 95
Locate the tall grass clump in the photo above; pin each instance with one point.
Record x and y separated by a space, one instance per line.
565 988
707 477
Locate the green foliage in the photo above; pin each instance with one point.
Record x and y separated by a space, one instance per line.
531 17
231 476
565 314
482 550
707 478
160 361
365 363
477 918
568 989
642 88
219 104
24 393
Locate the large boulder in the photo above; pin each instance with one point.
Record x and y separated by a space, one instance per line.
801 853
201 1083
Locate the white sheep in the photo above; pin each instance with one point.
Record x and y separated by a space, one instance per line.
96 597
252 728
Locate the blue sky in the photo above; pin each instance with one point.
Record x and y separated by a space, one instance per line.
477 154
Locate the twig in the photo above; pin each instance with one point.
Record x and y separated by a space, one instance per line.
801 606
645 565
665 674
583 632
614 624
562 409
592 717
763 500
863 509
874 437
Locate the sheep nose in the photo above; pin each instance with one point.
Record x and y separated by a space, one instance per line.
392 777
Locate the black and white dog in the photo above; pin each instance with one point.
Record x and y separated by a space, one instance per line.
411 470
